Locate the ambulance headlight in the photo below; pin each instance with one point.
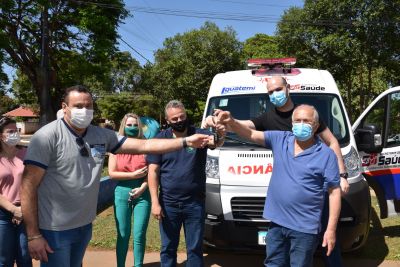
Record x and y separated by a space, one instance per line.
212 167
352 163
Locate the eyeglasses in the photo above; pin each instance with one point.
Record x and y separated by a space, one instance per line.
82 148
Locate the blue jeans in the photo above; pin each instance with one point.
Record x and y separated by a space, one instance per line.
286 247
335 258
69 246
13 242
191 215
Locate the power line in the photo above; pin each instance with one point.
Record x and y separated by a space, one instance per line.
137 52
260 18
142 37
159 19
249 3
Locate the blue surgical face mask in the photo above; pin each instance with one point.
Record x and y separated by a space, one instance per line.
302 131
278 98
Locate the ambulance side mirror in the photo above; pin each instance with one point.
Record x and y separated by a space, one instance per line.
369 139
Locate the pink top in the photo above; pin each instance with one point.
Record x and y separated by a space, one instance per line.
11 176
129 162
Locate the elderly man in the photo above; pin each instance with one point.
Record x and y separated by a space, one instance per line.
280 118
303 167
62 175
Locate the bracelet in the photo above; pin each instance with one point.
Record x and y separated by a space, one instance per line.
184 143
30 238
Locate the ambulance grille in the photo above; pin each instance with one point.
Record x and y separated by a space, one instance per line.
248 155
247 208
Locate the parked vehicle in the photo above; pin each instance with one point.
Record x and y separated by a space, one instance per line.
238 173
377 133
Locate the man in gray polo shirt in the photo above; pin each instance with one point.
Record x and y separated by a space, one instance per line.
62 175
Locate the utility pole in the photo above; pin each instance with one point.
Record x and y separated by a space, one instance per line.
45 106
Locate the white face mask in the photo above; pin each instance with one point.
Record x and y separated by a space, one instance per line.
12 139
81 117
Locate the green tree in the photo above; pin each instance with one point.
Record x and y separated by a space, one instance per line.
261 46
23 90
354 40
114 106
73 31
3 77
125 73
7 103
187 63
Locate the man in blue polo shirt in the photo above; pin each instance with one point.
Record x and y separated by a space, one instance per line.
177 187
303 166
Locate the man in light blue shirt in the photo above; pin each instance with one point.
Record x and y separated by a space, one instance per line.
295 197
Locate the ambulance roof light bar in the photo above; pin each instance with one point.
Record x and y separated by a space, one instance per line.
261 66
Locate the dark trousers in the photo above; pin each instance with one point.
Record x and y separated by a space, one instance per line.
190 215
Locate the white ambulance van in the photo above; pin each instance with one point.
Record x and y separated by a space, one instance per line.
381 165
239 172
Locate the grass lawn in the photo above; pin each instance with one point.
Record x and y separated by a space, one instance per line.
383 241
105 234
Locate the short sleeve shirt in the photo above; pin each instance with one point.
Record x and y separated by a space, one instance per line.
182 172
67 195
279 121
11 176
295 193
130 163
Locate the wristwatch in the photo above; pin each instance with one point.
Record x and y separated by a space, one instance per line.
344 175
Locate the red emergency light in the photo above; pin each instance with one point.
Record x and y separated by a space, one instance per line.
258 62
272 66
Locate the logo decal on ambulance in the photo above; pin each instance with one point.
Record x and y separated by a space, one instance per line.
250 169
369 160
309 87
384 160
235 89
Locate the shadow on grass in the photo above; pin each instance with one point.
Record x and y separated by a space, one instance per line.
375 248
392 231
372 254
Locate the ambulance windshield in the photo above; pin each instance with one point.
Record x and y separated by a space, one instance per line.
244 107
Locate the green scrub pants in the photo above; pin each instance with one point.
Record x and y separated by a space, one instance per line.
123 210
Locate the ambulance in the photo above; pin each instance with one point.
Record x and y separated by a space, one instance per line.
239 172
380 123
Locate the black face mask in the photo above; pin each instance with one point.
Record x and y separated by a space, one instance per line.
179 126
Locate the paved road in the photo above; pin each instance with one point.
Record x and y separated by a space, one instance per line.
215 259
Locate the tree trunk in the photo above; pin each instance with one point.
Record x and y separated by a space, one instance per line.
369 91
46 111
349 98
361 91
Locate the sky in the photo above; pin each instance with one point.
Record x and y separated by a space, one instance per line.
147 29
152 21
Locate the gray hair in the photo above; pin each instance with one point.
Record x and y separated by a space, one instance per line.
173 104
315 112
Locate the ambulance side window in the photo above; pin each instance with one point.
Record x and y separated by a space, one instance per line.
376 116
394 121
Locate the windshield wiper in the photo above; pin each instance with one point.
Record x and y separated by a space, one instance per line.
240 141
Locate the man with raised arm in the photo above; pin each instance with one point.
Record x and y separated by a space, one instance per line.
280 118
304 168
61 179
177 184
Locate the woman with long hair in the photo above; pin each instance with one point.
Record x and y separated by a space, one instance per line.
131 195
13 240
